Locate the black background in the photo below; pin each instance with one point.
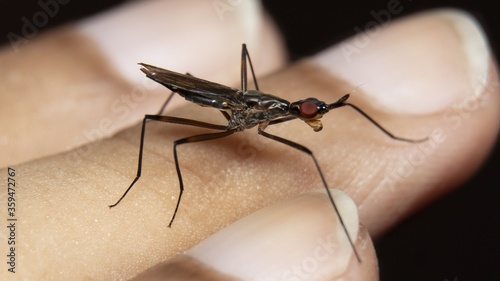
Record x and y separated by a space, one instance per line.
455 238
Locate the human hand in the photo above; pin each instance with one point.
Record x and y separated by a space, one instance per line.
76 226
448 101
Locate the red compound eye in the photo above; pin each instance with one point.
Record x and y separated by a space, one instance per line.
308 109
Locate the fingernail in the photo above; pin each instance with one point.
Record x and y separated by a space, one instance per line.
298 238
182 267
153 35
417 65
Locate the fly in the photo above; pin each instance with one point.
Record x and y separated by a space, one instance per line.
243 110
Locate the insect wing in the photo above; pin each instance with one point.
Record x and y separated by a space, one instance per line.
194 89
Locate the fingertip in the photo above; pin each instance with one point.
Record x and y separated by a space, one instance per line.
165 34
298 238
182 267
416 65
367 269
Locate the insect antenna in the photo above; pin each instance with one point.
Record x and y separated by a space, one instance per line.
341 102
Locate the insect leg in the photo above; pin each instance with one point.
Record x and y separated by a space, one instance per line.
309 152
139 164
167 119
244 57
166 103
192 139
168 99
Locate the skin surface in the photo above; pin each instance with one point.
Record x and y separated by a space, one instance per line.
68 231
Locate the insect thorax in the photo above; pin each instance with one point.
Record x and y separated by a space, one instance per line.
260 108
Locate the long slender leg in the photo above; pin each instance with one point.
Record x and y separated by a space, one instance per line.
166 103
244 57
167 119
309 152
192 139
169 99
